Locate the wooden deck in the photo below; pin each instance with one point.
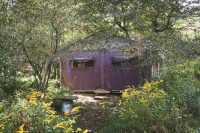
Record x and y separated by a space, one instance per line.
98 91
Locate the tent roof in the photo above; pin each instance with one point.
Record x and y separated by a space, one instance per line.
102 42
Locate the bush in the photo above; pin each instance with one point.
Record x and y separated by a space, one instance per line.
171 104
182 83
28 113
144 110
55 91
11 84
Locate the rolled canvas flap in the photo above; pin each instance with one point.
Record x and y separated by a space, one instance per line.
118 58
83 57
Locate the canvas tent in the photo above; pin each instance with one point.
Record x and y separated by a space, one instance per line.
105 68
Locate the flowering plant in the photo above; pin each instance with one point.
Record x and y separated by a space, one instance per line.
25 113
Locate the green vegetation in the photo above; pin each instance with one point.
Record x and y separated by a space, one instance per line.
28 112
170 104
33 33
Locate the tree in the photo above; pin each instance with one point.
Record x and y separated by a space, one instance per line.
152 23
10 63
37 29
131 16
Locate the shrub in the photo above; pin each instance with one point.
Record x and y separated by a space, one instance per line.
169 106
182 84
150 107
10 84
54 90
28 113
144 110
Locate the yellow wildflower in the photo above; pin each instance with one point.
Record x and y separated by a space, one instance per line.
161 81
75 109
66 113
32 101
64 124
49 119
21 129
69 130
1 126
79 130
33 95
86 131
142 100
59 125
47 105
148 86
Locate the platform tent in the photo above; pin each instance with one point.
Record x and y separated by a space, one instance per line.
105 63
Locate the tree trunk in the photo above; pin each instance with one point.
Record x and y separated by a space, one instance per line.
49 64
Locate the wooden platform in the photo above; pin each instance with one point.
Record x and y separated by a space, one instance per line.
67 98
101 97
101 92
98 92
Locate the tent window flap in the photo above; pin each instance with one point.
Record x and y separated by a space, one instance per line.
82 63
121 62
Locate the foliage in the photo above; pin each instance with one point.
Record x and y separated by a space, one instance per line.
32 31
168 105
146 107
182 84
28 113
10 84
145 110
54 91
132 16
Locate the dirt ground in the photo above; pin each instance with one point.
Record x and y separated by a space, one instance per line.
92 114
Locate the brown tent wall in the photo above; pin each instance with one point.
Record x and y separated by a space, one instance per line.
106 73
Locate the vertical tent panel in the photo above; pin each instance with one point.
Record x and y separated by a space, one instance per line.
79 74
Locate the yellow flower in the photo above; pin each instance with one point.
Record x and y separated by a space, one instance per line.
69 130
1 126
21 129
47 105
32 101
34 95
148 86
66 113
59 125
1 106
49 119
75 109
86 131
52 112
79 130
64 124
142 100
161 81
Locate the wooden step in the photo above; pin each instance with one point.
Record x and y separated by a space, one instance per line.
101 92
67 98
101 98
